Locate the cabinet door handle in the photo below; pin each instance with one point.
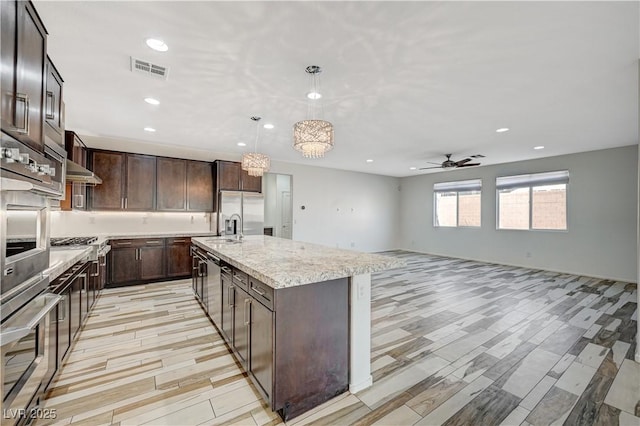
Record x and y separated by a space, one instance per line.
62 306
21 97
230 290
50 105
122 203
247 316
126 203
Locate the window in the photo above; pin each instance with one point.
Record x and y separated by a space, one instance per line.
457 203
536 201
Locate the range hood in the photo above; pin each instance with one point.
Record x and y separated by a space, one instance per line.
77 173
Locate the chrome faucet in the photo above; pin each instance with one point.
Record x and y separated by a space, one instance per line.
238 232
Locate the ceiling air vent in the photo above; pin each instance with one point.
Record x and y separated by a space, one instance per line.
148 68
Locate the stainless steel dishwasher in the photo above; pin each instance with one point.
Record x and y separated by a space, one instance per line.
214 290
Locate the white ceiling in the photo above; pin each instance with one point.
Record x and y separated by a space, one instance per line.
403 82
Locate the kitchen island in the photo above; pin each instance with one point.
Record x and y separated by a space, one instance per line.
318 300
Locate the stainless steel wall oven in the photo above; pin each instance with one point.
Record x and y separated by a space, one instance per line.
29 181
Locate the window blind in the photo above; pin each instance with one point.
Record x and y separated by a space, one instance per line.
462 185
536 179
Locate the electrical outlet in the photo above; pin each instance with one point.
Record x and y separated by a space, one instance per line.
361 291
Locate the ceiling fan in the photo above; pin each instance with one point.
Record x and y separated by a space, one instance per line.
450 164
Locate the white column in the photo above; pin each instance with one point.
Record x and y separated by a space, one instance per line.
360 333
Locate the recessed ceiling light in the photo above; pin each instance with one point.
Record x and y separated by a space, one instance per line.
538 147
314 95
502 130
242 144
152 101
268 126
413 168
369 160
149 129
158 45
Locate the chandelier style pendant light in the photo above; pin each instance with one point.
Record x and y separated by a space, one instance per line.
254 163
313 137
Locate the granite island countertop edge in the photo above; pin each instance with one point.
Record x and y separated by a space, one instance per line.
318 269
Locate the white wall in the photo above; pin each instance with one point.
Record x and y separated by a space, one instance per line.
602 217
343 209
78 223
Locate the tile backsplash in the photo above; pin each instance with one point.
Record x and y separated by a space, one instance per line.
77 223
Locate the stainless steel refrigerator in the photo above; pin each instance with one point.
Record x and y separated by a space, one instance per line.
240 209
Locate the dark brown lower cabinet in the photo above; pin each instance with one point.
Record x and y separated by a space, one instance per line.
137 260
178 257
151 258
293 342
124 265
261 343
143 260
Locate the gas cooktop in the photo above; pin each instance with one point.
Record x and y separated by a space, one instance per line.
72 241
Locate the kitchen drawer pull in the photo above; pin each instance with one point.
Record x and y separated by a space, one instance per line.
257 290
25 122
240 278
226 269
118 243
179 241
154 242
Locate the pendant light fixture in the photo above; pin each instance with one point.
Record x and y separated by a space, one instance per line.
313 137
254 163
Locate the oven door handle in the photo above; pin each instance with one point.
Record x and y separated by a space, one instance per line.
15 333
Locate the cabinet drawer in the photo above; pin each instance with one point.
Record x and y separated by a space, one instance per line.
178 241
153 242
261 292
126 243
241 279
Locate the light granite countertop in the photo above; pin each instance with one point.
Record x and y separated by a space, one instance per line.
61 259
282 263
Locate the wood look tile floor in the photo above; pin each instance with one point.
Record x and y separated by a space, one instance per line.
454 342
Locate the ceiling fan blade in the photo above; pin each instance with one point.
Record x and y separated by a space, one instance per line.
469 164
425 168
461 162
431 162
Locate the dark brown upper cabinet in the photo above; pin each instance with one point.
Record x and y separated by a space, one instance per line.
199 186
184 185
128 181
54 124
23 56
230 177
172 184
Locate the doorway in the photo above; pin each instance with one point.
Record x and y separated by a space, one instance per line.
278 205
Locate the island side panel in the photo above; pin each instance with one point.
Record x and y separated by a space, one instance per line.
312 345
360 338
